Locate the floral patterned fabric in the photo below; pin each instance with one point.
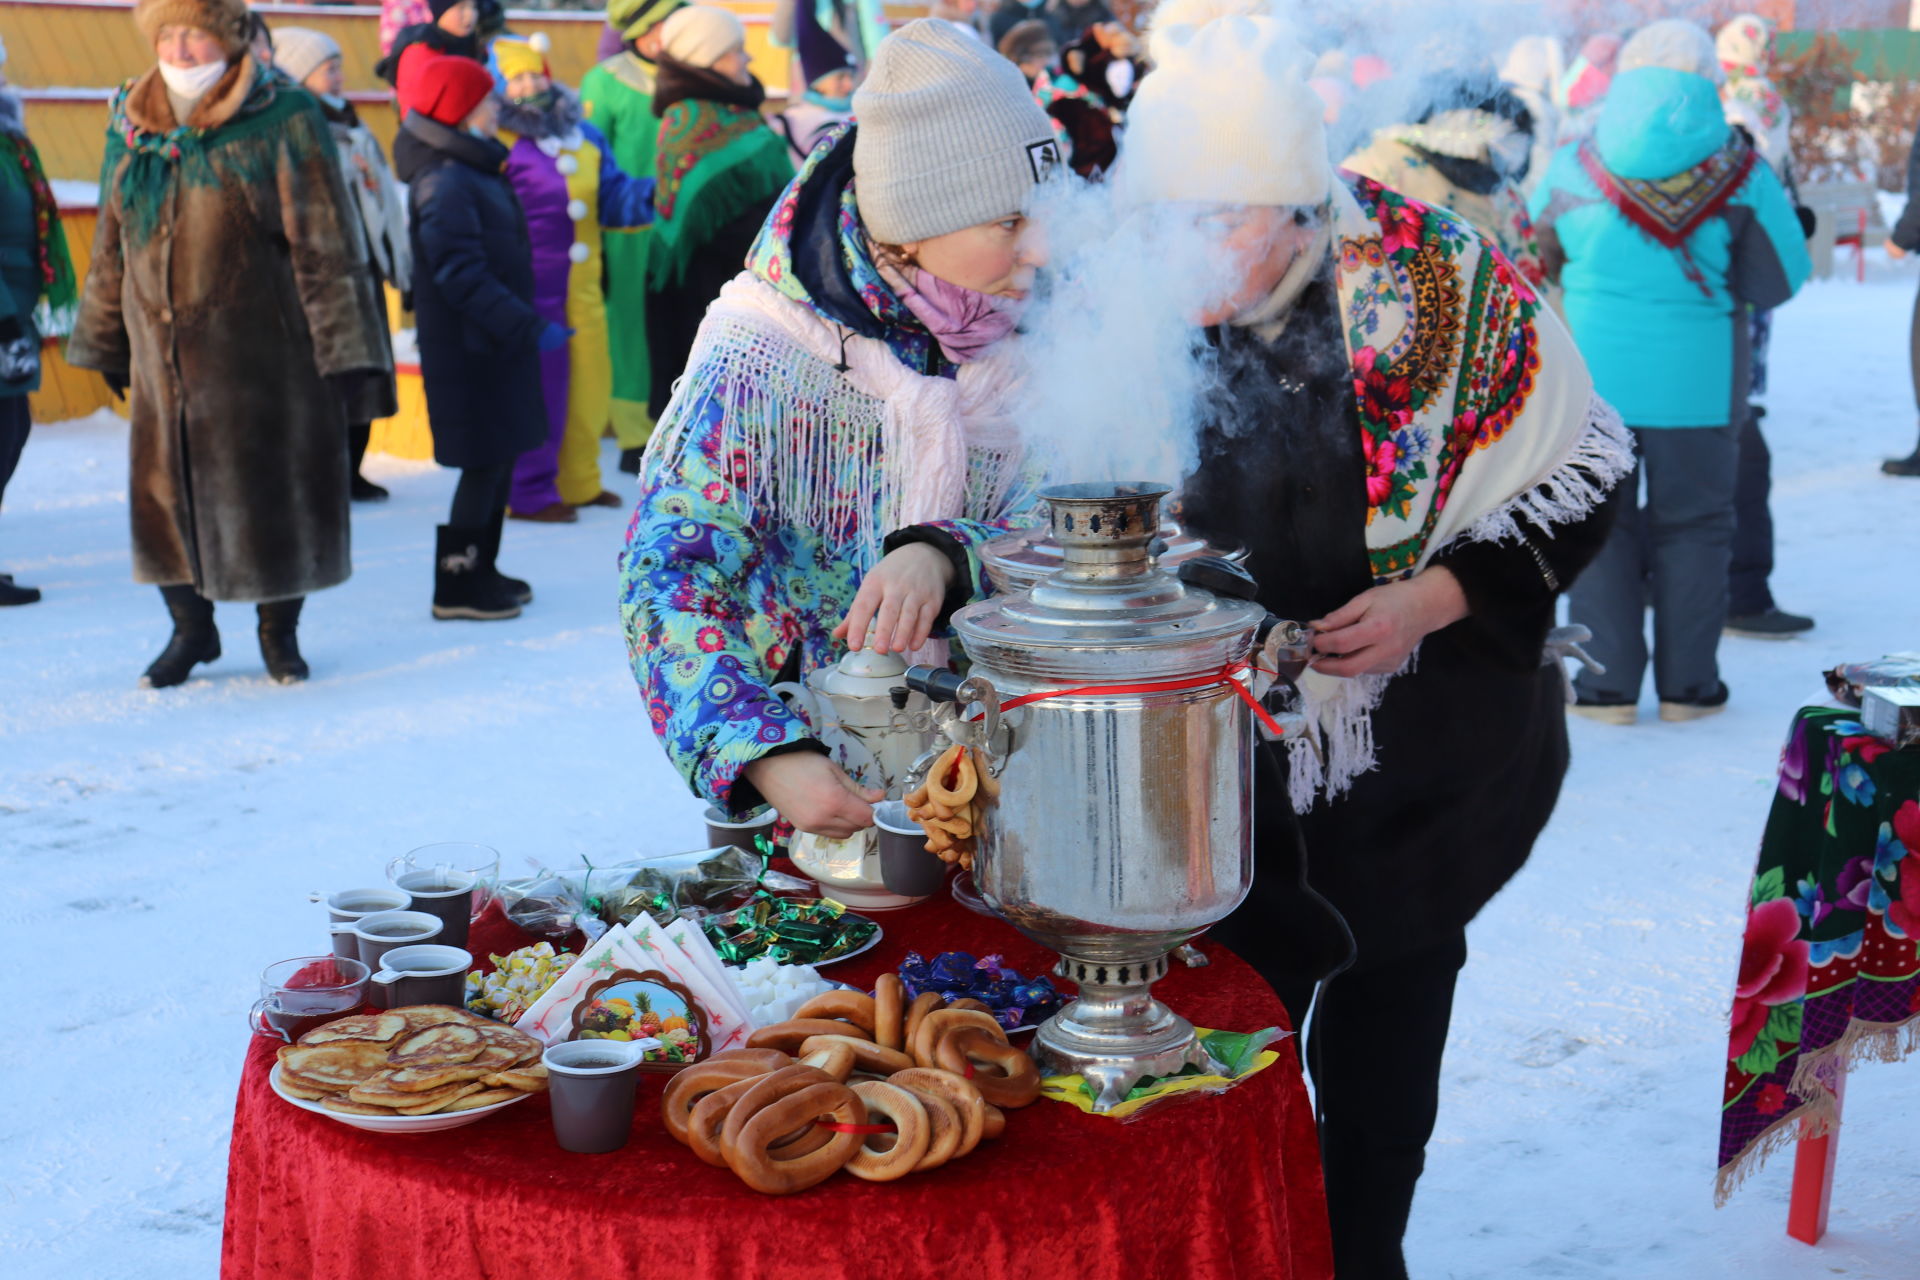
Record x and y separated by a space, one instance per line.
716 596
1830 965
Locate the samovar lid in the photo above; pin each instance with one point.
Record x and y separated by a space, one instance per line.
1109 602
1023 558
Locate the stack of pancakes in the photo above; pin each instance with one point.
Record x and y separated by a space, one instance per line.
412 1062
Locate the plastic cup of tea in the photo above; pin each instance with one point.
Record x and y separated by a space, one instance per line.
445 860
445 893
591 1087
349 906
306 992
430 974
905 865
383 931
745 834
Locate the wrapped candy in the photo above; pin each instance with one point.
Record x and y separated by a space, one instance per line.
518 979
790 930
957 975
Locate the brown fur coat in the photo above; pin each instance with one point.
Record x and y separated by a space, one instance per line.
227 287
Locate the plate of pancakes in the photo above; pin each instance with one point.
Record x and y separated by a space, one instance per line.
418 1069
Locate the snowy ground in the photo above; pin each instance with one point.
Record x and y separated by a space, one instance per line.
159 846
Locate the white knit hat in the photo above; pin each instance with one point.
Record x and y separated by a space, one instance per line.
1226 116
700 35
1676 45
949 137
301 51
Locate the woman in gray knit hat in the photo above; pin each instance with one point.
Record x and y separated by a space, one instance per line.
834 456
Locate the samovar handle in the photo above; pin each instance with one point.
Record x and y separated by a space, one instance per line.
959 692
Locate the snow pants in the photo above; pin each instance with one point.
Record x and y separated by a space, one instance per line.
15 423
1681 541
1752 556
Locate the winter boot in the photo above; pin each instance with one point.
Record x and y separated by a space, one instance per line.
630 460
490 552
1771 623
12 592
1679 712
362 489
1907 466
278 645
460 587
194 638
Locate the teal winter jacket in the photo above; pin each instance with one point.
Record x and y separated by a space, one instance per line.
1664 329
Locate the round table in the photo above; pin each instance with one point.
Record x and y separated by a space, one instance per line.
1218 1186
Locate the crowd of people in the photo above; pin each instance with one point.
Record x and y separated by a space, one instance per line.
1511 346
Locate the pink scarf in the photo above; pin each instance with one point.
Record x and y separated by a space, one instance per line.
965 323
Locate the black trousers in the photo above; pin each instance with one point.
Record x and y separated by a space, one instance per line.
1373 1049
480 495
15 422
1752 564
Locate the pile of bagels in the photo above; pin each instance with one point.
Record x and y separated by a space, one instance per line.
871 1084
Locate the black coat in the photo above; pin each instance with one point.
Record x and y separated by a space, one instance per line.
472 297
1471 745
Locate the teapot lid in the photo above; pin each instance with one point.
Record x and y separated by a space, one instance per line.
862 673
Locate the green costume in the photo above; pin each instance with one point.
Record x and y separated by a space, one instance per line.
618 98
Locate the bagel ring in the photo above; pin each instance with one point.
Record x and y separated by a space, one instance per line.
831 1054
960 1093
913 1131
772 1059
856 1007
867 1056
709 1117
923 1004
789 1035
958 761
996 1124
1011 1080
968 1002
944 1128
691 1084
939 1023
890 1012
775 1106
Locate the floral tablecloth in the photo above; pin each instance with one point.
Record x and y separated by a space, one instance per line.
1830 969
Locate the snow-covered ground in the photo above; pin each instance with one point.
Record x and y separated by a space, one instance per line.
156 850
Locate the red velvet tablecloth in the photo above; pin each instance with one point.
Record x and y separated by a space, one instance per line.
1225 1186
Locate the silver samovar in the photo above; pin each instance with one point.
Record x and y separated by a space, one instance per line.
1022 560
1121 818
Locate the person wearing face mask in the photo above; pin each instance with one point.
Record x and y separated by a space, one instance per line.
569 187
1466 151
720 168
312 60
228 290
1408 443
452 28
838 451
480 334
827 68
34 265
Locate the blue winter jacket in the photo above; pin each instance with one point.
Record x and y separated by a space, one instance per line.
1666 348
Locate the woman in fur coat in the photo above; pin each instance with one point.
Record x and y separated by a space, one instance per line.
836 454
228 291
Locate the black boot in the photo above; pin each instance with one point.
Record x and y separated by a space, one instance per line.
12 592
279 646
194 639
630 460
1907 466
460 587
490 551
362 489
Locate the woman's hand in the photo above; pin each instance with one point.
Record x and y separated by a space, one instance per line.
814 793
1373 633
896 605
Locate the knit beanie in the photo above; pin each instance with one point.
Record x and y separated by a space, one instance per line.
301 51
820 54
439 86
438 8
949 137
1675 44
512 57
1029 41
227 20
1226 116
634 18
700 35
1745 46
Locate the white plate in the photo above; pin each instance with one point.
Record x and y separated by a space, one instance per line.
432 1123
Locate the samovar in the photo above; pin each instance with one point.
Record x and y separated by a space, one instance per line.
1111 705
1024 559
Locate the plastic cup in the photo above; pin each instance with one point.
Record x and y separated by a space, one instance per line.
905 865
723 831
476 860
592 1085
429 974
348 907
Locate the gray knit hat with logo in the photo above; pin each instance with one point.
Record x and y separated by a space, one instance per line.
949 135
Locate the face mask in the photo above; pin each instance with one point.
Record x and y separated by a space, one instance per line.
840 105
964 322
192 82
333 100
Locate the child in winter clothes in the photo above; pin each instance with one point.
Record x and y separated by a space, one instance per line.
480 336
453 30
617 97
836 455
569 187
720 169
1663 228
828 70
311 59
